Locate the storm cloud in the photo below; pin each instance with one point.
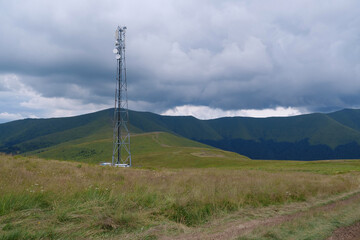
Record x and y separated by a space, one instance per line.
233 57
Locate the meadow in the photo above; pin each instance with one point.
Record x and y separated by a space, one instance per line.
159 150
50 199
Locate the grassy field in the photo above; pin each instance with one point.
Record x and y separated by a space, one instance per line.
149 150
49 199
164 150
318 223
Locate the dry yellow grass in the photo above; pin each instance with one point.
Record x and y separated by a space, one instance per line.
54 198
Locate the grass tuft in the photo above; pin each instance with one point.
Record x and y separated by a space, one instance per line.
22 201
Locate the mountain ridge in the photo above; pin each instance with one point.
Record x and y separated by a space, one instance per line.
311 136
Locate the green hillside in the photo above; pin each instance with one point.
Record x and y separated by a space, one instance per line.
306 137
347 117
30 134
318 128
156 149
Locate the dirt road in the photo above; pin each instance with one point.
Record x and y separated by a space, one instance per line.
347 233
234 229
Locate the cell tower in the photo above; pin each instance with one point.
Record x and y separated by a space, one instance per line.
121 150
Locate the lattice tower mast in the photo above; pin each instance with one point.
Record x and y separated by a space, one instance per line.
121 142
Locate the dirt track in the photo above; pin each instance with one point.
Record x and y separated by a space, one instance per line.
347 233
238 228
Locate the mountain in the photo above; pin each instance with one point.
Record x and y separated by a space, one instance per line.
306 137
150 150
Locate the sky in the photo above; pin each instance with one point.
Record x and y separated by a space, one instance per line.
203 58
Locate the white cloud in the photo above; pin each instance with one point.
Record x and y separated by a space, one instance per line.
205 112
60 107
10 116
21 101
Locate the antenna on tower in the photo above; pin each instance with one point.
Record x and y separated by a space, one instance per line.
121 143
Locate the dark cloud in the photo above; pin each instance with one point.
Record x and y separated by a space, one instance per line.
223 54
